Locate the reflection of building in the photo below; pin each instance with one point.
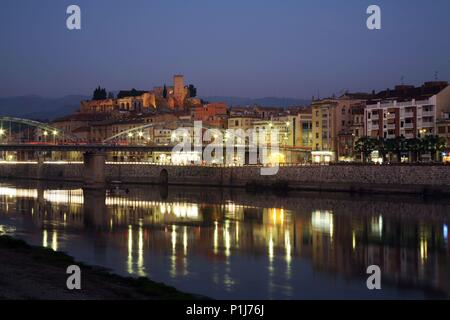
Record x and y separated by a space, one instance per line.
335 235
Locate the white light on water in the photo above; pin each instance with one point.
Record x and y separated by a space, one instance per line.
322 221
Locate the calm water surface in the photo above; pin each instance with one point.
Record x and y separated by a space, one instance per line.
229 244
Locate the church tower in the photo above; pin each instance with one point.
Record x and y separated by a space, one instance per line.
179 92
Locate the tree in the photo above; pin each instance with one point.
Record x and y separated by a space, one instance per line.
99 94
365 146
390 147
414 146
382 148
192 91
164 92
400 147
433 144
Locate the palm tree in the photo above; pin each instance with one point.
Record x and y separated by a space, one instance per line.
390 147
434 144
400 147
382 148
365 146
414 147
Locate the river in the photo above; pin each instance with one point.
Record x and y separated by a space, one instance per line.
232 244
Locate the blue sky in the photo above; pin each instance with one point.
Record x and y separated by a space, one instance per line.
251 48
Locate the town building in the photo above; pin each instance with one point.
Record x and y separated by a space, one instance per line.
211 114
407 111
176 97
331 118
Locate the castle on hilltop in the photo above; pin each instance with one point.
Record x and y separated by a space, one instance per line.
176 97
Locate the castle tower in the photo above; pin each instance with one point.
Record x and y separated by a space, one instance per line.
178 88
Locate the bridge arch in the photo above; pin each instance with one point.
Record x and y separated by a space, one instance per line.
37 124
141 128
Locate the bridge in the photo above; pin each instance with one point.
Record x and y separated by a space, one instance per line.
61 147
95 155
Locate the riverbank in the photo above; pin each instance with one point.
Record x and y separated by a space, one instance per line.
29 272
430 179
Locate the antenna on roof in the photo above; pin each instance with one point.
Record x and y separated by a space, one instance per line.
436 75
402 79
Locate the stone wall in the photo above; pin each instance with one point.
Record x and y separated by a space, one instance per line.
356 178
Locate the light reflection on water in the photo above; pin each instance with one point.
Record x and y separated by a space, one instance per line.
230 244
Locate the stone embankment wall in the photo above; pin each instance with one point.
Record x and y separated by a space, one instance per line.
354 178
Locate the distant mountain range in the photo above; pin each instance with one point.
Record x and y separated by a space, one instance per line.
264 102
41 108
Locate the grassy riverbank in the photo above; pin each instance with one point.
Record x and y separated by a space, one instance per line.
29 272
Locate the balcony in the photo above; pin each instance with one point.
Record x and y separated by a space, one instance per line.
408 126
390 115
409 114
391 126
428 124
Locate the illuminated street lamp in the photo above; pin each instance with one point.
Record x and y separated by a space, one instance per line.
55 133
140 134
2 131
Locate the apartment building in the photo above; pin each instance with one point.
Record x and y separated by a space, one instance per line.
299 125
353 131
443 129
407 111
330 119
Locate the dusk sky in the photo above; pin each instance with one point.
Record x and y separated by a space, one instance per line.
251 48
